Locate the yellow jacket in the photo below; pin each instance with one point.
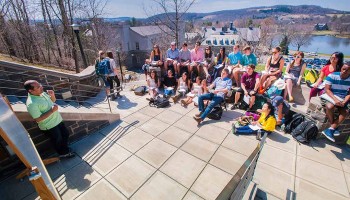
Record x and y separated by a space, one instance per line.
269 124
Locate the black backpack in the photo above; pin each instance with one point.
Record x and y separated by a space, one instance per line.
160 102
216 113
294 122
305 132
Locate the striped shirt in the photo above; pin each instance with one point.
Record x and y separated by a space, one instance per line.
339 86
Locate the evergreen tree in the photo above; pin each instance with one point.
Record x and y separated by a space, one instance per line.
284 45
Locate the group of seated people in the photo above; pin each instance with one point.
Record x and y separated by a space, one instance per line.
240 69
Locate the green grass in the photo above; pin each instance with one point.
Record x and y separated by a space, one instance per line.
261 67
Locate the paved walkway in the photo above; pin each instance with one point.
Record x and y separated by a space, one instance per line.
161 154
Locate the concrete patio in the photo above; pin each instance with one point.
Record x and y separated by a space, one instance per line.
161 154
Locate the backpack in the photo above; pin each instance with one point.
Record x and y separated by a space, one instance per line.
311 76
294 122
104 67
160 102
273 91
305 132
216 113
140 91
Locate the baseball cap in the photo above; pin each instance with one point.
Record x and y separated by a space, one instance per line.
278 100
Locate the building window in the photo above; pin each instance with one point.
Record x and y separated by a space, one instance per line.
137 46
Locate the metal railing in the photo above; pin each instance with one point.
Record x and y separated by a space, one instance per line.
82 94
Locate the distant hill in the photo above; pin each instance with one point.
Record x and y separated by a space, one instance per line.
267 11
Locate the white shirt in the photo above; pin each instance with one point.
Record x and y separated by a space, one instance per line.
113 66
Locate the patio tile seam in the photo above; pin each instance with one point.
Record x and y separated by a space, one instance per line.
90 186
322 187
207 163
346 180
342 169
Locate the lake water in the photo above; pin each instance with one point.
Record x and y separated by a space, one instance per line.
327 44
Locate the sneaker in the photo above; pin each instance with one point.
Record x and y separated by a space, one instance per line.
258 135
68 155
308 83
235 106
329 134
233 128
336 133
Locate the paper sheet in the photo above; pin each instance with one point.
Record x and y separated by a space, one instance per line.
254 127
321 86
325 96
246 99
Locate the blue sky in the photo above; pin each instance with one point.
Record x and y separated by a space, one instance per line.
134 8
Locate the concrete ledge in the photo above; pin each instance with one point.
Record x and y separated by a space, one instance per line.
88 72
88 116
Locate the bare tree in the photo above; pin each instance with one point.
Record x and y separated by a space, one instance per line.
170 13
302 36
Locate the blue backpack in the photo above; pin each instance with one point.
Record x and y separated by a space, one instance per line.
273 91
104 67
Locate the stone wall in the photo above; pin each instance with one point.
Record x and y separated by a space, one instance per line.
317 113
77 130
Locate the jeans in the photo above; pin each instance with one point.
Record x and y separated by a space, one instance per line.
59 137
245 130
215 100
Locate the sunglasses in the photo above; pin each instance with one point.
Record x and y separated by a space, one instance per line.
297 56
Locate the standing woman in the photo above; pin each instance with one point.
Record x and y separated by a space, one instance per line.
155 59
208 60
273 67
113 77
334 64
293 72
153 84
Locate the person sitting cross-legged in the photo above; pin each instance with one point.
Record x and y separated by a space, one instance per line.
249 86
337 85
169 84
265 124
222 85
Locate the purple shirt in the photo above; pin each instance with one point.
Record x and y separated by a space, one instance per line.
249 80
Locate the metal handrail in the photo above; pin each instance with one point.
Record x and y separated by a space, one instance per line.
70 100
61 84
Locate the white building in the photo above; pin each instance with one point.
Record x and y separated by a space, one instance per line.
137 42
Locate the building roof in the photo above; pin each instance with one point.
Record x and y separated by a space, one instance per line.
249 34
221 40
149 30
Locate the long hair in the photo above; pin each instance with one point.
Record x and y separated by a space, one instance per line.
158 50
295 54
223 54
186 76
155 76
340 61
208 55
272 111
